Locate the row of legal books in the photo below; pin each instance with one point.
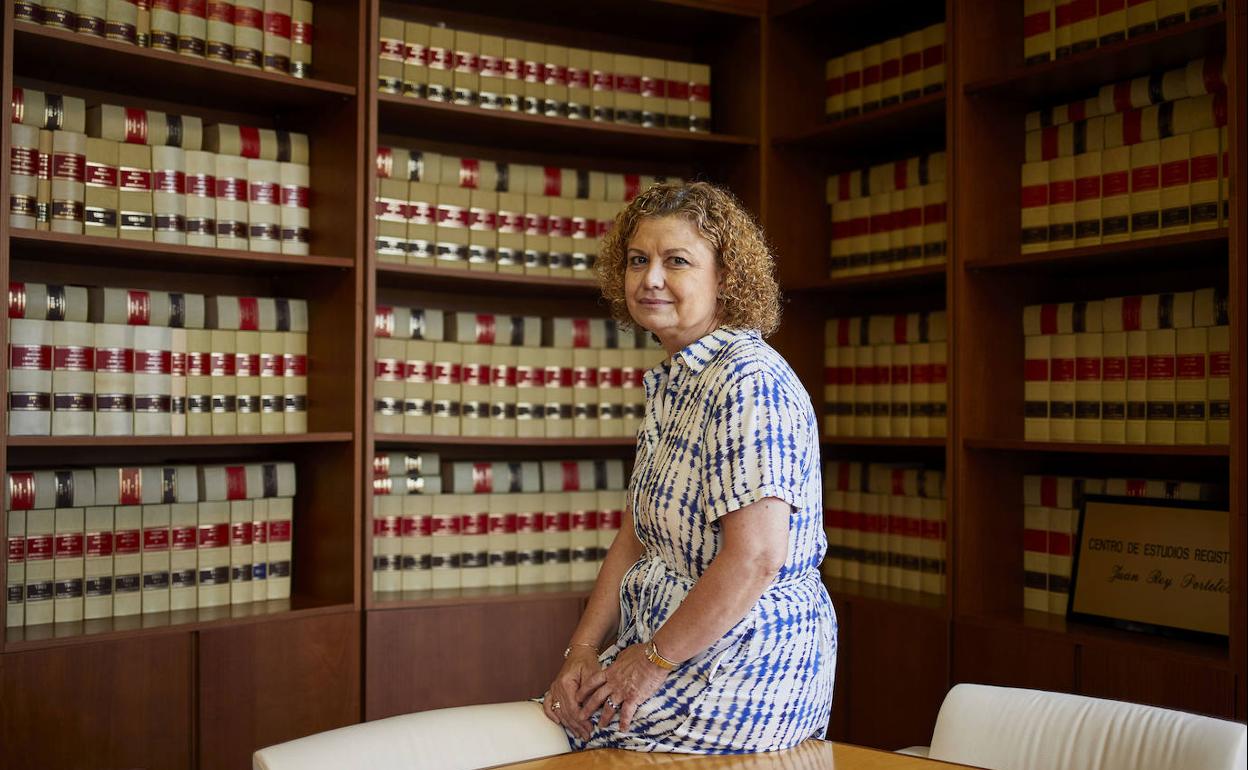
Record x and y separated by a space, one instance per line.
887 73
1051 507
268 35
423 473
577 387
481 215
885 525
514 498
1155 162
886 376
108 542
1055 29
496 73
140 175
152 363
1151 369
436 325
890 216
502 177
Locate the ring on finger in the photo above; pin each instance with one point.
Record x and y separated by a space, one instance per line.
610 702
556 706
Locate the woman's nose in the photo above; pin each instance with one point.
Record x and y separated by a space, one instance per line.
654 275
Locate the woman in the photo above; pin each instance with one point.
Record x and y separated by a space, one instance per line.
723 638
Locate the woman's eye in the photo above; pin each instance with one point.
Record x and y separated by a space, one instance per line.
679 261
636 260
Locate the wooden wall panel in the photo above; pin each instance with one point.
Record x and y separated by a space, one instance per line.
1105 672
436 657
1012 657
272 682
124 703
899 676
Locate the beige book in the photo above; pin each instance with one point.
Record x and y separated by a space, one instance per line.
155 558
558 381
43 186
219 38
389 384
1116 198
264 216
295 372
439 73
73 379
911 65
864 391
1088 198
192 28
1035 211
503 398
1089 352
493 75
1035 558
247 382
585 393
890 72
451 233
1204 179
100 194
475 390
447 371
627 70
447 548
556 537
121 21
68 190
153 381
536 238
1062 388
482 230
1137 387
853 83
391 210
871 94
466 78
127 560
301 39
1111 22
418 388
533 92
169 195
223 384
231 202
421 225
1084 29
213 552
259 549
559 221
1062 523
97 572
68 549
1113 387
1197 9
277 31
1219 385
1191 385
295 212
1160 386
530 524
24 163
387 543
40 570
938 419
1061 202
881 385
530 392
653 93
390 56
249 33
513 75
413 75
555 93
1141 17
183 559
164 25
474 541
15 568
934 58
679 108
1145 196
201 203
280 537
501 540
417 548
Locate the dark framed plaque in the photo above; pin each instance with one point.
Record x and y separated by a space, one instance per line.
1155 566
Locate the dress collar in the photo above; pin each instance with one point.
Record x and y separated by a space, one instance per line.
695 356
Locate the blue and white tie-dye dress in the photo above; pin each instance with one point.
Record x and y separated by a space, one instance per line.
727 424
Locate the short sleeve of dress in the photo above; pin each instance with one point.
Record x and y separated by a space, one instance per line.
758 441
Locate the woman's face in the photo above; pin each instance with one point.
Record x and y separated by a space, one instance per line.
672 281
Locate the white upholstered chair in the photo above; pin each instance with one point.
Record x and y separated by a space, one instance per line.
462 738
1002 728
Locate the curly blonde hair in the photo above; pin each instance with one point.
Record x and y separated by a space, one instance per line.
750 298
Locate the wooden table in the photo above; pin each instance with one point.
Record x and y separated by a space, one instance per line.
811 755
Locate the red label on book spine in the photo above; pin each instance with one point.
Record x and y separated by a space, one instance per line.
240 533
235 482
1219 364
1174 173
156 539
136 126
1191 366
98 544
1144 178
248 136
1087 188
100 175
214 535
39 547
1113 369
69 545
1161 367
153 362
129 486
183 538
169 181
277 24
138 308
248 314
30 357
73 358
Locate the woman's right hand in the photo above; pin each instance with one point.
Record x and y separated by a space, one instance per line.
581 664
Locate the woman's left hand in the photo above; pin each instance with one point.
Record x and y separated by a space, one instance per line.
621 687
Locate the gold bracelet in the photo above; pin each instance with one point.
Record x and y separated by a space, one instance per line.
652 655
568 650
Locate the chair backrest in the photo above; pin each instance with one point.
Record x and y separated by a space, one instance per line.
464 738
1002 728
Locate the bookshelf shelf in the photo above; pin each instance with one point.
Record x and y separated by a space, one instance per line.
852 591
1076 76
1179 250
1057 627
402 115
463 597
26 639
67 57
475 282
918 122
510 443
1153 450
899 442
926 276
115 252
79 442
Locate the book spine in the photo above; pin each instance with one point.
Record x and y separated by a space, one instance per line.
1035 558
169 195
15 569
1060 547
1062 33
1219 390
1111 21
1141 17
1160 386
934 58
164 25
30 377
68 549
192 28
40 566
1061 202
301 39
73 379
23 175
127 560
277 36
1062 388
1145 196
1089 353
68 177
1116 200
136 219
219 35
1035 211
249 33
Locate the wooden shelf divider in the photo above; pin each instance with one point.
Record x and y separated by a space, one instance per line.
1179 250
1155 450
394 275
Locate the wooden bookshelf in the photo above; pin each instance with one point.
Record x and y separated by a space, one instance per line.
1179 250
570 444
1151 450
62 661
891 281
917 122
461 597
430 278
